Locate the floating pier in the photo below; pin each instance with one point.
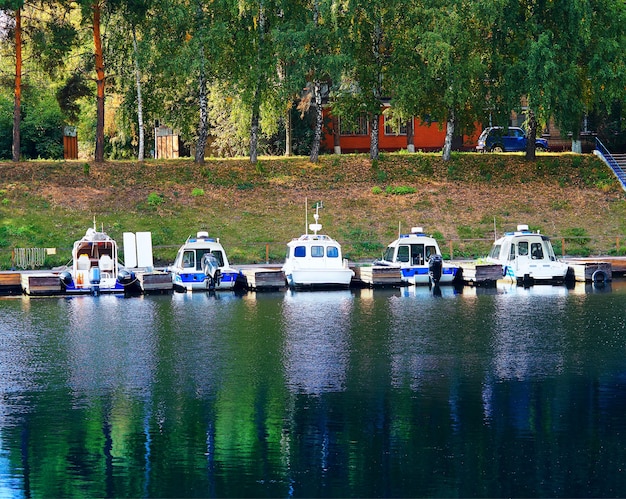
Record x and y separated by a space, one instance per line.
10 283
378 276
40 284
589 271
155 282
49 283
481 274
263 278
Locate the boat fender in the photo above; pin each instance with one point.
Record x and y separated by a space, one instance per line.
66 278
125 277
599 276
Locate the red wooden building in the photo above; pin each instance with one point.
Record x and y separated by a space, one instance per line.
427 136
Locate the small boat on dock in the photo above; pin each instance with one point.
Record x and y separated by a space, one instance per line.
95 266
419 258
202 265
528 258
315 260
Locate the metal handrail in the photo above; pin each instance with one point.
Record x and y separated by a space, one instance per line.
611 162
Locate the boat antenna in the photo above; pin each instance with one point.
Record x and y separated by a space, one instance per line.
495 231
399 229
94 223
316 226
306 215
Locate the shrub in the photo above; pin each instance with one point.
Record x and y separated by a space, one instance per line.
197 192
155 199
400 190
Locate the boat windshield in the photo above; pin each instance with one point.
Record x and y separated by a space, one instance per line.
536 251
388 256
495 251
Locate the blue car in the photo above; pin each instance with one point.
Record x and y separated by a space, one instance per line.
500 139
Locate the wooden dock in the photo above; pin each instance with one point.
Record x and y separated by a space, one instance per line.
376 276
41 284
617 263
591 271
155 282
261 278
481 274
10 283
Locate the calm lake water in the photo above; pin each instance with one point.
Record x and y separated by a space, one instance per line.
398 393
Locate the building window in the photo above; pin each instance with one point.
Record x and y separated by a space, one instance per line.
360 127
393 127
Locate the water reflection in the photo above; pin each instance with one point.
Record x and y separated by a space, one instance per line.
317 342
490 392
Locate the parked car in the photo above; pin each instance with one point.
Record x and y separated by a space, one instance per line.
500 139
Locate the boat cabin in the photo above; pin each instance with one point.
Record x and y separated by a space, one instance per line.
526 255
410 250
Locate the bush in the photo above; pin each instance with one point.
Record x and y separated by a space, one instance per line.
155 199
400 190
42 130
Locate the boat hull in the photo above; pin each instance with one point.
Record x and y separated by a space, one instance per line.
198 281
420 276
316 278
548 273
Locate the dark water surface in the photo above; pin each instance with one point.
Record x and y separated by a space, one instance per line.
394 393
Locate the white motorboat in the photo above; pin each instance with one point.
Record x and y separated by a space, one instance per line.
201 264
95 267
315 261
528 257
419 258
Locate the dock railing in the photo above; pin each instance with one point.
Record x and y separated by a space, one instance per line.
603 153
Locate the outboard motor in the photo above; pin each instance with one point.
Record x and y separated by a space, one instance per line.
435 268
211 269
94 280
125 277
66 279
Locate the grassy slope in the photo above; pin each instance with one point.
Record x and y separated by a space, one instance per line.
51 204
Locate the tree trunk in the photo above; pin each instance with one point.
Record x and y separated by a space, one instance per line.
203 125
336 136
319 120
256 102
254 126
374 137
288 146
99 152
141 152
410 137
447 144
17 103
532 135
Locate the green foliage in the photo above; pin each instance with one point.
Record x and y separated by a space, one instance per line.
6 127
400 190
467 232
576 235
376 190
42 130
197 192
155 199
